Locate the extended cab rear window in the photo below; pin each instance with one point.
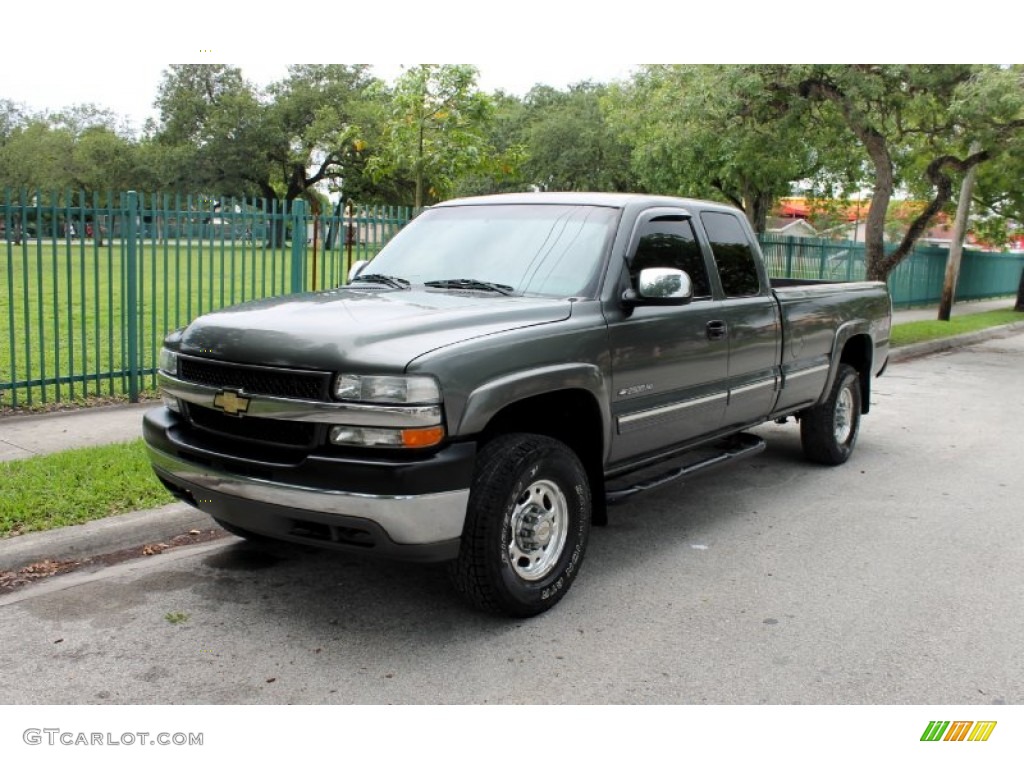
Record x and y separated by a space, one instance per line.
733 253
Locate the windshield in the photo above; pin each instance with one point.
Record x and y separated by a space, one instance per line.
533 250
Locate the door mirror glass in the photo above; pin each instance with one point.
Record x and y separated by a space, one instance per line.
663 285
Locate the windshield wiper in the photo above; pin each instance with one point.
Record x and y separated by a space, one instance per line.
388 280
472 285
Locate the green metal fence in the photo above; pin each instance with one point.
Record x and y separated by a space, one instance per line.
916 281
91 284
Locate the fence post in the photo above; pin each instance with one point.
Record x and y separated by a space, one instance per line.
132 298
298 246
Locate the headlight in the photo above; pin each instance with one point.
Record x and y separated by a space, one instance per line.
168 361
404 390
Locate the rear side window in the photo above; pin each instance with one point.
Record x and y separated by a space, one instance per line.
670 242
733 254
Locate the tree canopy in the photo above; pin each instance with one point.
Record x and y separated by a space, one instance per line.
745 134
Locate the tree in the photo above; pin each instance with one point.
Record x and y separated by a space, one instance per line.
316 126
37 156
915 124
506 136
211 120
229 139
727 132
437 129
80 149
569 142
12 116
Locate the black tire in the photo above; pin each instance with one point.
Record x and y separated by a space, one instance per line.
828 431
527 526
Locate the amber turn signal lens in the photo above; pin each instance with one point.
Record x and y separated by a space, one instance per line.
422 438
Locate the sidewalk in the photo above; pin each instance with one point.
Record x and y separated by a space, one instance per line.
964 308
39 434
22 437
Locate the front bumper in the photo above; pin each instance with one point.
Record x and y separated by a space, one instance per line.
408 509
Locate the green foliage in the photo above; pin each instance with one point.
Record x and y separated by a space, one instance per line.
508 149
915 125
436 131
219 134
745 134
76 486
726 132
571 143
317 124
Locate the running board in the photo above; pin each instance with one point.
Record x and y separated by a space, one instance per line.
734 448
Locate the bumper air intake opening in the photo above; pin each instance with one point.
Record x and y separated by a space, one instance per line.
337 534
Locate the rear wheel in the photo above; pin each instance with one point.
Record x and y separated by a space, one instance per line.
526 528
828 431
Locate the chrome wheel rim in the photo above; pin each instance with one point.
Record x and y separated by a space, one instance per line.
843 421
540 523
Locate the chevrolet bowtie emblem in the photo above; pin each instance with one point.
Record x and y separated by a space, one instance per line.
231 402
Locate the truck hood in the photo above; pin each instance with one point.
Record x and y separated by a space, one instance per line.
359 329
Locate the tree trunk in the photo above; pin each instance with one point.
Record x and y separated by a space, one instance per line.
956 247
757 204
1019 306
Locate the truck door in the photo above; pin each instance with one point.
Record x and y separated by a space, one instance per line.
669 366
750 314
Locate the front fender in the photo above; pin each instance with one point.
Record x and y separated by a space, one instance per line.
489 398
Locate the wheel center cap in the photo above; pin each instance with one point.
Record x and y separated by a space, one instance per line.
542 533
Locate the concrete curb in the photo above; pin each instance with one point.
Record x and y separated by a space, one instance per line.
101 537
911 351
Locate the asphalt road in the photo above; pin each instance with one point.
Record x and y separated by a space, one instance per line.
894 579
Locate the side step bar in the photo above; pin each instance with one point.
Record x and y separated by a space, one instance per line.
737 447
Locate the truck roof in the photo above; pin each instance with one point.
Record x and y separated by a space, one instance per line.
605 199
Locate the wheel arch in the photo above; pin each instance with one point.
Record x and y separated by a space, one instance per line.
857 352
571 416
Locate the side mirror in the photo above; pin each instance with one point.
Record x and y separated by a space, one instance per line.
660 286
356 268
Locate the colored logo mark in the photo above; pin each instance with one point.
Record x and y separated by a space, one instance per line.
958 730
231 402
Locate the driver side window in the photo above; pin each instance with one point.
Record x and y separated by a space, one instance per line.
669 241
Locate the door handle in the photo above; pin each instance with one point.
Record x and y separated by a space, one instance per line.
716 329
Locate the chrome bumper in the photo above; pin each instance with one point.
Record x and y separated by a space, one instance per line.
422 519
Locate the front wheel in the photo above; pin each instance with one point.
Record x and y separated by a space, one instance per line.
526 528
828 431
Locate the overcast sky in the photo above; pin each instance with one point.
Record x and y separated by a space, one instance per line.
132 96
66 52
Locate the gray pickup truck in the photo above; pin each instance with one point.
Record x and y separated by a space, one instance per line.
502 371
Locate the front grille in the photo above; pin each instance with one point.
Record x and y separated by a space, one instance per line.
294 434
256 380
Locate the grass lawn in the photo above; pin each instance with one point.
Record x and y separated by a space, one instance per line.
76 486
927 330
